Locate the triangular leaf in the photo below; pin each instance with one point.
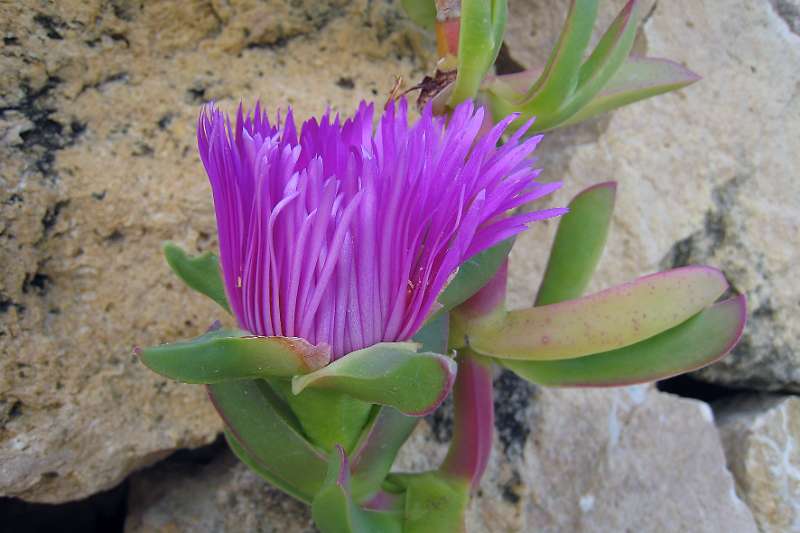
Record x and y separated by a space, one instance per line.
201 273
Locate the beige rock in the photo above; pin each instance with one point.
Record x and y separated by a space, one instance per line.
98 167
629 459
761 436
706 175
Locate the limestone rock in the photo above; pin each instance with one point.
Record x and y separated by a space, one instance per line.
628 459
706 175
761 435
98 167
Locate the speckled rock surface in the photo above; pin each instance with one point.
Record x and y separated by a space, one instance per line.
761 435
564 461
708 174
97 167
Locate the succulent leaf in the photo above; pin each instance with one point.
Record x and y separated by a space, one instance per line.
422 12
638 78
334 510
483 25
578 244
268 435
200 272
226 355
698 342
607 320
433 502
392 374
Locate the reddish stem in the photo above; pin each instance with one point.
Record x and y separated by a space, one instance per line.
473 420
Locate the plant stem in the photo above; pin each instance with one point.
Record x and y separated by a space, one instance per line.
473 423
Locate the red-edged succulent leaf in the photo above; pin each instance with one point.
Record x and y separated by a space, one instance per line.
603 321
390 373
700 341
578 244
225 355
638 78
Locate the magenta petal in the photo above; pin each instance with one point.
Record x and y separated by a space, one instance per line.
342 234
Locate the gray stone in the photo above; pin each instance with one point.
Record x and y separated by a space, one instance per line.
761 435
629 459
706 175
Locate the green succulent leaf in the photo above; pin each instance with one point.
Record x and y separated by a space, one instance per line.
201 273
392 374
334 510
422 12
604 321
433 502
638 78
474 274
578 244
265 433
226 355
698 342
480 36
560 76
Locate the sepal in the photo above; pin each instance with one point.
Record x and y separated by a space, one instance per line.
389 373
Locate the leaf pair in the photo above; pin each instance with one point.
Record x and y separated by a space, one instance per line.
570 89
654 327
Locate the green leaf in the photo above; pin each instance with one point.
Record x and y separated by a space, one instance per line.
390 373
578 244
474 274
327 417
698 342
603 321
560 76
225 355
201 273
266 434
434 503
638 78
334 510
422 12
377 448
480 37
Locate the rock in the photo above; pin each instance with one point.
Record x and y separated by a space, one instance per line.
706 175
761 436
98 167
629 459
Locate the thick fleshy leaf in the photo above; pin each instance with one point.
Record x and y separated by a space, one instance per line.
422 12
638 78
334 510
327 417
698 342
560 76
201 272
433 502
225 355
483 25
389 373
607 320
377 448
267 434
578 244
474 274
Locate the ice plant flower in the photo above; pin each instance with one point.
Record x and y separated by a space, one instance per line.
344 235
